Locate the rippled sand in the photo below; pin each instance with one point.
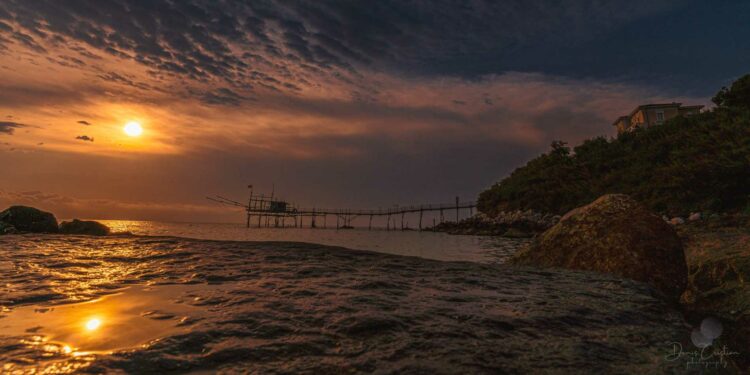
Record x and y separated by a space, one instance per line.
170 304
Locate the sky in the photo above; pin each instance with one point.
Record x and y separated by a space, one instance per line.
341 104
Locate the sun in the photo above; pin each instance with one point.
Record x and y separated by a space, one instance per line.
133 129
93 324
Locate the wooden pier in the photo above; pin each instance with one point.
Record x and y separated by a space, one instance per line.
267 211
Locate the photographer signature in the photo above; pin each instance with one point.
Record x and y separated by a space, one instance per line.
707 357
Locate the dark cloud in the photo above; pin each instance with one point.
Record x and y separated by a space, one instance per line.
8 127
85 138
84 122
222 96
241 43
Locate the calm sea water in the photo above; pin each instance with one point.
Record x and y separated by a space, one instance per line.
438 246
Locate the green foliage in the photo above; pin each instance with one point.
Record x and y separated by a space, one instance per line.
697 163
738 96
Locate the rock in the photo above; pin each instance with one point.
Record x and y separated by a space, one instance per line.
677 221
615 235
719 265
694 216
91 228
29 219
517 233
6 228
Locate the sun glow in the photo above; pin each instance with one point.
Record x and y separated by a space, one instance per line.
93 324
133 129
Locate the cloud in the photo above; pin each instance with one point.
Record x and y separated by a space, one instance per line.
8 128
85 138
67 207
291 46
222 96
83 122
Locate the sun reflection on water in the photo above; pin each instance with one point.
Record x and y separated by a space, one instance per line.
69 336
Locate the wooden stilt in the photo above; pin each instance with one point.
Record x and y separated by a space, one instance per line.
456 210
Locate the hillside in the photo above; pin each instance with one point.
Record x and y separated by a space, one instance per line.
697 163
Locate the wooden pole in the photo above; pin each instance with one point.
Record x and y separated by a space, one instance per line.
325 218
402 221
456 210
369 226
249 205
421 212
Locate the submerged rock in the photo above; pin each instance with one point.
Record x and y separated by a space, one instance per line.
91 228
29 219
616 235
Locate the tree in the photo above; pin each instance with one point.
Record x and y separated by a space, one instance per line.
737 96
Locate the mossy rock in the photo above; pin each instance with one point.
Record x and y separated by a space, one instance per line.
614 235
91 228
29 219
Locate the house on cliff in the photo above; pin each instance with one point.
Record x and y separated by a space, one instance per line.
653 114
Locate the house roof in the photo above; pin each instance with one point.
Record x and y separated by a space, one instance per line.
620 119
651 106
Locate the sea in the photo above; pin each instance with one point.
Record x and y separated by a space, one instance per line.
161 298
424 244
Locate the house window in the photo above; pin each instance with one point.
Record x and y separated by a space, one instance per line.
659 117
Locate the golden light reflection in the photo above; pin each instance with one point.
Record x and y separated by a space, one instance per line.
133 129
127 319
93 324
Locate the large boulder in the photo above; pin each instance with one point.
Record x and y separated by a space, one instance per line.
615 235
91 228
29 219
719 266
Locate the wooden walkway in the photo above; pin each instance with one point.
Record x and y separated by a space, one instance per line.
275 213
